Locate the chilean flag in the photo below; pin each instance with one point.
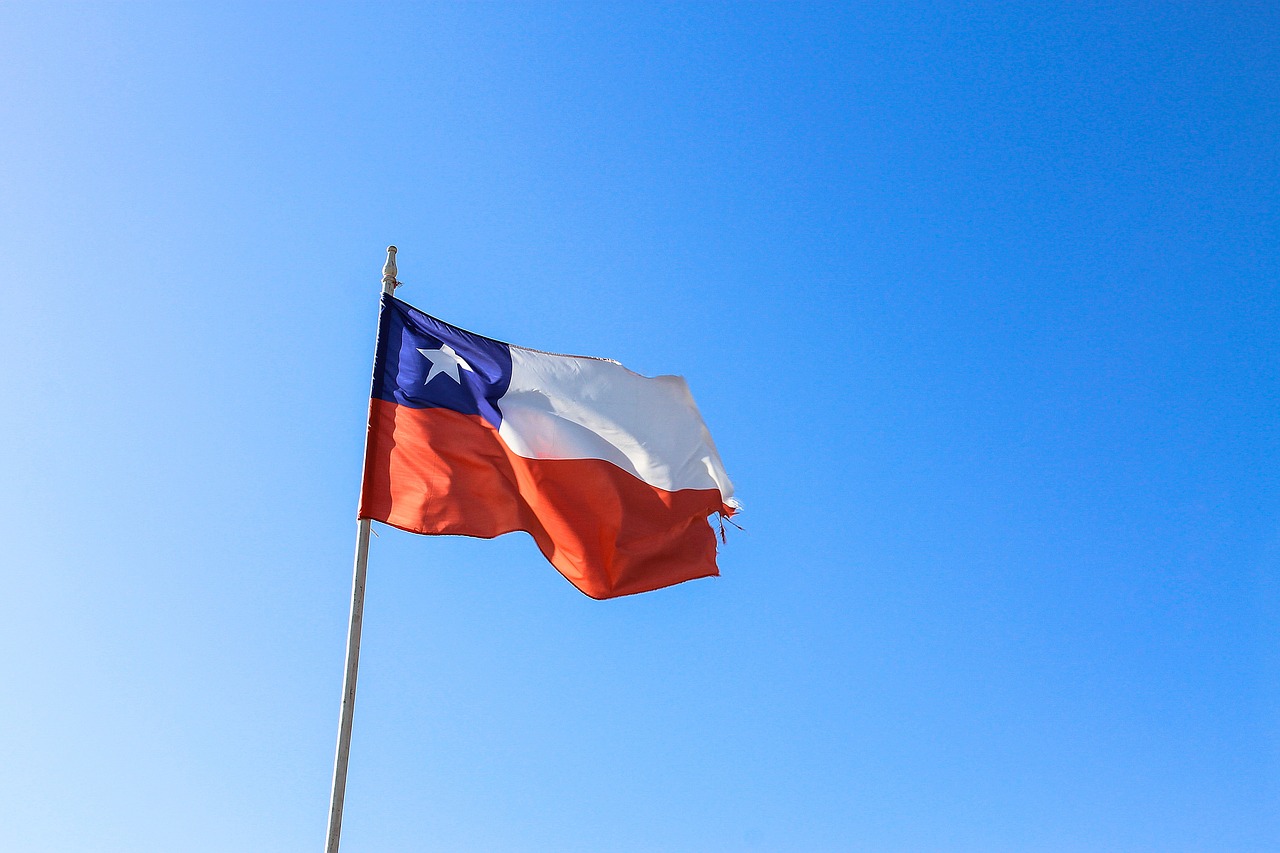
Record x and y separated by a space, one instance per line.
613 474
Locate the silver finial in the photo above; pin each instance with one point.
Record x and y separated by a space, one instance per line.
389 283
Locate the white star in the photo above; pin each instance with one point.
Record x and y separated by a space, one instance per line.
445 360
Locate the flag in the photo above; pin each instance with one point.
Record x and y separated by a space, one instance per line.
613 474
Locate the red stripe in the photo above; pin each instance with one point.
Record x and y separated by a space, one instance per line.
438 471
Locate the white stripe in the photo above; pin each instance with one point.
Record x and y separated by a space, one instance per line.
568 407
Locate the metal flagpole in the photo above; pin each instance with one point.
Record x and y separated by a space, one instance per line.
353 636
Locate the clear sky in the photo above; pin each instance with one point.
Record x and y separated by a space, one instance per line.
980 303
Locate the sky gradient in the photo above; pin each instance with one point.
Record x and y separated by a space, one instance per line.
979 301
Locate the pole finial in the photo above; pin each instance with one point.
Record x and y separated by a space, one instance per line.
389 283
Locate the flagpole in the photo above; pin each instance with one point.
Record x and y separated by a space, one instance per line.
348 707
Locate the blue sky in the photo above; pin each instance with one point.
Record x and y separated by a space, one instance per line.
979 301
